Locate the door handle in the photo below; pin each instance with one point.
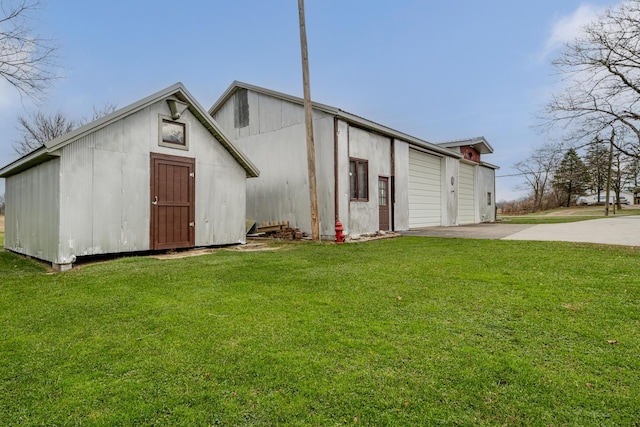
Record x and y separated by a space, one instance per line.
155 202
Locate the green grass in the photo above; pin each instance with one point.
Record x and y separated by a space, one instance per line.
537 219
407 331
573 214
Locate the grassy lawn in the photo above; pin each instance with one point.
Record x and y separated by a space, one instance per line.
573 214
406 331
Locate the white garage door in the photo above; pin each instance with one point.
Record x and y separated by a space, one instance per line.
425 190
466 194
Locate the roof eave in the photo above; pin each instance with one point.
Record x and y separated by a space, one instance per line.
485 147
349 117
489 165
28 161
45 152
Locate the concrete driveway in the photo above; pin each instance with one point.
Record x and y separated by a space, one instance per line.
620 230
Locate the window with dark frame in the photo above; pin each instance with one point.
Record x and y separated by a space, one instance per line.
174 132
489 198
359 180
241 108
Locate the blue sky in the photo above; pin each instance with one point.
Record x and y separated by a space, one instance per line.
438 70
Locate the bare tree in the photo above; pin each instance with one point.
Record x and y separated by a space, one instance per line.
27 61
601 76
538 170
38 128
98 112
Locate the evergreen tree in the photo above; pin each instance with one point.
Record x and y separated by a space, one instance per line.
596 160
572 176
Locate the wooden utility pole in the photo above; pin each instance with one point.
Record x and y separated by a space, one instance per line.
308 114
608 193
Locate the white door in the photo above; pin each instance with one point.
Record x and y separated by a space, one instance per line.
466 194
425 190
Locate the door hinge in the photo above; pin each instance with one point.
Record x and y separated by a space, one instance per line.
192 224
192 174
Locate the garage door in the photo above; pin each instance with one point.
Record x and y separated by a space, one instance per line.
425 190
466 194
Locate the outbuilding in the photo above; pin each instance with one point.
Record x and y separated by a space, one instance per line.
158 174
369 176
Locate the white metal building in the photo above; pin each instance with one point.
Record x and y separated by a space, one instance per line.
369 176
158 174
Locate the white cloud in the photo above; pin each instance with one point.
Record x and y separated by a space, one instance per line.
567 28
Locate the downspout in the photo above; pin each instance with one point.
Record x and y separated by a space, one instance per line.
393 184
336 187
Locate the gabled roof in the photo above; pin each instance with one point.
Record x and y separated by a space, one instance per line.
50 149
479 143
344 115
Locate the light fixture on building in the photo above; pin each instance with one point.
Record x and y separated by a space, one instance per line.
177 108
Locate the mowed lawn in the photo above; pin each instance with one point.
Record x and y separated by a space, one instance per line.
395 332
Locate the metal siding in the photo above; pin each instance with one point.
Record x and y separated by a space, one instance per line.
343 174
425 190
270 112
224 118
466 194
276 143
486 184
325 174
32 211
401 183
220 192
376 149
450 191
106 184
281 193
106 188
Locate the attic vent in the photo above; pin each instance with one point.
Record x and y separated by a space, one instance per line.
240 109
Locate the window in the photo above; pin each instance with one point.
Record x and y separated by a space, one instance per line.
173 134
489 199
359 179
240 109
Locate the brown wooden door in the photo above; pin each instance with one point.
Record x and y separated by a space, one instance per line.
172 202
383 202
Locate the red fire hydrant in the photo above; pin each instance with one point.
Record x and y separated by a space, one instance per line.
339 235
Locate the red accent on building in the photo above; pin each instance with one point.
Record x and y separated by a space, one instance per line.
470 153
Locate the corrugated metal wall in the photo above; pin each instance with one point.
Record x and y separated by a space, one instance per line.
275 141
105 186
376 149
401 206
486 185
33 210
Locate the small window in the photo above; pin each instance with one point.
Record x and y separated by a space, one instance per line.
241 109
359 180
489 199
173 134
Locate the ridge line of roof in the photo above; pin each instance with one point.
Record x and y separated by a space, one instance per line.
45 152
336 111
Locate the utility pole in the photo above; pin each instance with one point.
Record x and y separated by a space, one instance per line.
608 193
308 114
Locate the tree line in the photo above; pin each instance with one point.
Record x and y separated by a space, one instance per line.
596 110
556 176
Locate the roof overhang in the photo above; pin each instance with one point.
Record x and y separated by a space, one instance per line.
479 143
336 112
32 159
176 91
